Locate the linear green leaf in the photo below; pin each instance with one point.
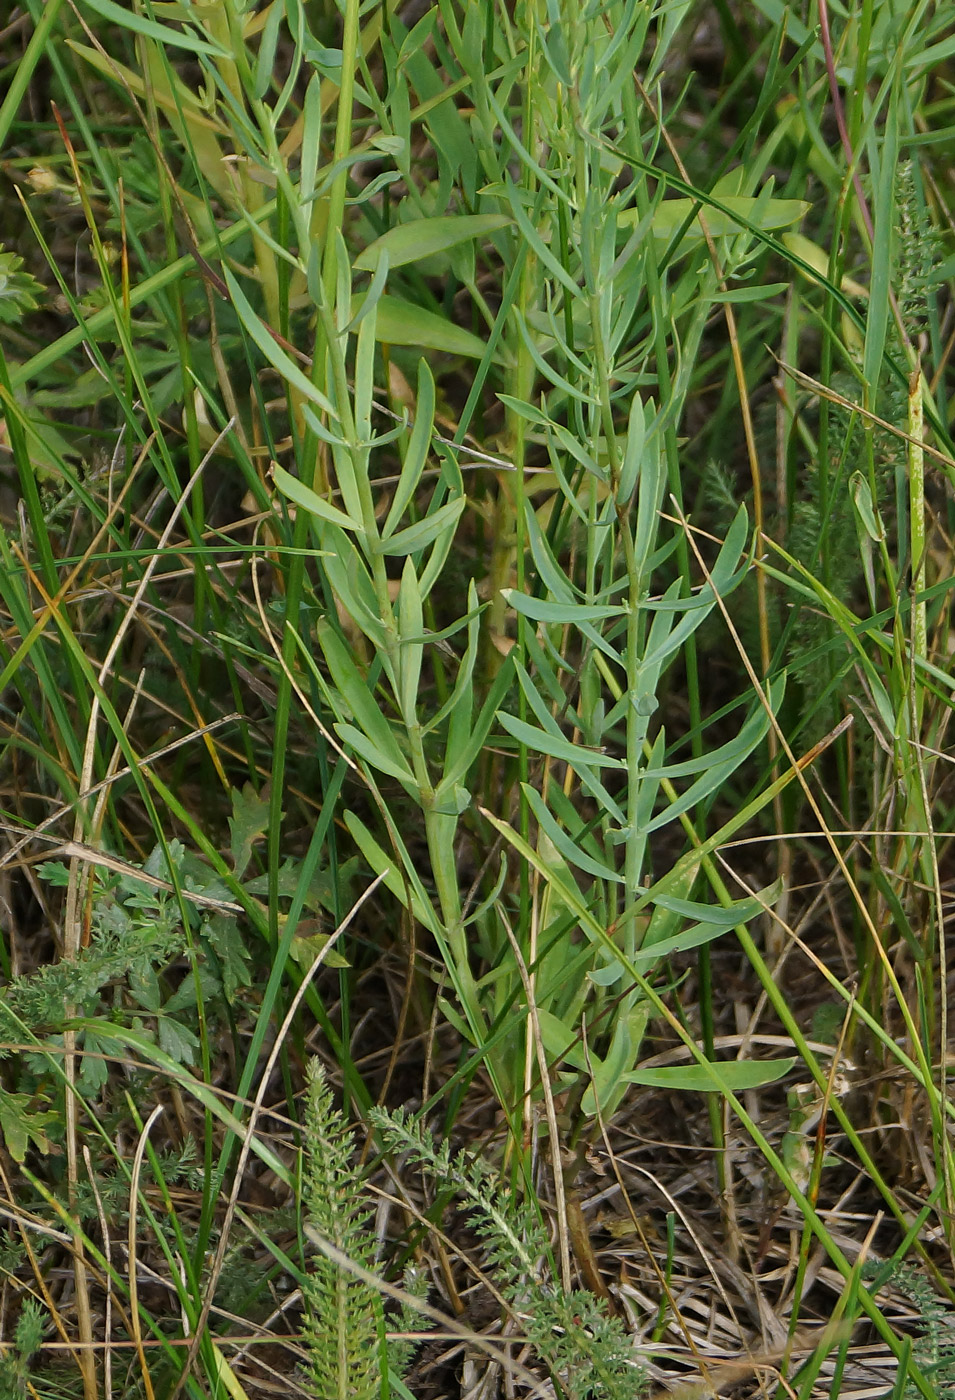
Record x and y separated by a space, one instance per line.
543 610
270 347
305 497
424 531
556 745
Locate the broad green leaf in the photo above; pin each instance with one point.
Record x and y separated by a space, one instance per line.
407 243
403 323
21 1123
304 949
813 262
557 1037
734 1075
607 975
177 1040
309 500
671 214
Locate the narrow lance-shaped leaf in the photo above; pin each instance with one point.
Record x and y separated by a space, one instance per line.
351 584
424 531
718 585
416 455
365 369
877 315
735 1075
365 748
265 58
403 323
633 453
556 745
610 1076
270 348
411 625
649 499
311 137
552 576
423 238
462 694
564 841
547 370
470 744
309 500
161 34
752 733
362 704
544 610
376 291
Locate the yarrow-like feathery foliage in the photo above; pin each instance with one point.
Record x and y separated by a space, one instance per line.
584 1349
341 1310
